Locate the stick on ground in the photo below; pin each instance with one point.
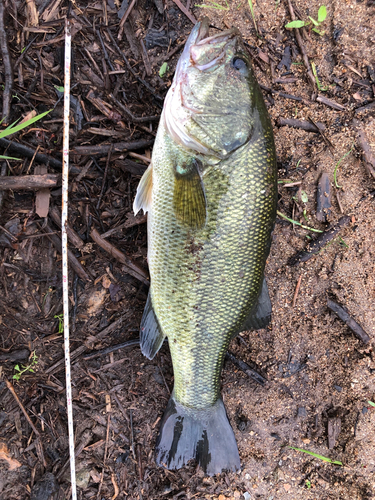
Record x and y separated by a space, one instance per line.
302 124
30 182
343 314
130 267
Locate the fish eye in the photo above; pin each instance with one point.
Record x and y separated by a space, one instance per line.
240 65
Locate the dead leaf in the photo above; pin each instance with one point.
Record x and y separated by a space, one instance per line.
106 282
96 301
5 455
28 116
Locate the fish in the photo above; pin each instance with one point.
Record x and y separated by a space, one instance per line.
210 192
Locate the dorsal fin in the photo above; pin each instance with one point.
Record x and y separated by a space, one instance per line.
143 197
189 200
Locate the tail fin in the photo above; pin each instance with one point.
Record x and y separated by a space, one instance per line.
203 435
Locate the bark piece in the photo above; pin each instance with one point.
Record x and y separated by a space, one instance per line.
302 124
334 429
43 195
323 198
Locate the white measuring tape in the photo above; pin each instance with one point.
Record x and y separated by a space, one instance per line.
64 239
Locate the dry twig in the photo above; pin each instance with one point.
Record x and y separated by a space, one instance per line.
8 72
302 48
130 267
343 314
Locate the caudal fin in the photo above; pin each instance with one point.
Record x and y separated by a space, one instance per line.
203 435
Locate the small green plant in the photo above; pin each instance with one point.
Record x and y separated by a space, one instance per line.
163 69
304 199
21 369
371 403
60 317
252 14
342 243
213 5
308 484
280 214
321 457
13 128
338 163
320 88
322 14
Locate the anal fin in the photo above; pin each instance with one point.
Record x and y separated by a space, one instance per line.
151 335
260 315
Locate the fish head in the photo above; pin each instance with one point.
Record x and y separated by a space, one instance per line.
210 107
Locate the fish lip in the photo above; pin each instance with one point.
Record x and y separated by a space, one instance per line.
203 30
223 38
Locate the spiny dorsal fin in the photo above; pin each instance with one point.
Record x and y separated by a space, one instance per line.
189 200
143 197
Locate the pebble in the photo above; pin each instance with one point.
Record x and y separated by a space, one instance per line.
301 411
44 488
287 487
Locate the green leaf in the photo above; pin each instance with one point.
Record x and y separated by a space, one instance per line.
280 214
9 158
371 403
252 14
13 129
321 457
322 13
304 197
163 69
313 21
17 368
60 89
321 33
296 24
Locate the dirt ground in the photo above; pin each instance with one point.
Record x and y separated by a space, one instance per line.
320 376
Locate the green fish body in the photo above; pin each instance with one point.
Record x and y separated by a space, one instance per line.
210 193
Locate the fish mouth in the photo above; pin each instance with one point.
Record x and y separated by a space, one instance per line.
209 51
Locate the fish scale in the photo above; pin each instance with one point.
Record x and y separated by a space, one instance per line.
211 199
203 314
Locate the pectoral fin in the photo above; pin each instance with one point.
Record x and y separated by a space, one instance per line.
151 335
189 200
260 315
144 192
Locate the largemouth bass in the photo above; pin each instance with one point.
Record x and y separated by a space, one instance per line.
210 193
